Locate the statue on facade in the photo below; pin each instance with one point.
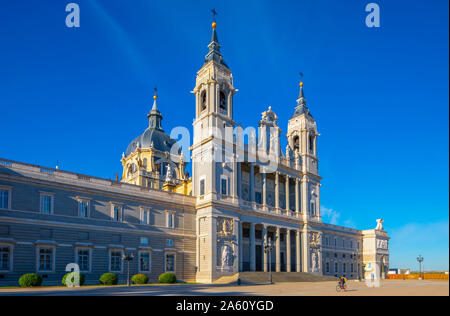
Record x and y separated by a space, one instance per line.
379 224
169 175
315 262
227 256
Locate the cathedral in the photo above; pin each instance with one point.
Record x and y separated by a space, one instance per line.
248 205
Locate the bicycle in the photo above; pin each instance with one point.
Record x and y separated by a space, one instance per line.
341 287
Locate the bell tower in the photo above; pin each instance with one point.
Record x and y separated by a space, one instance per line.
213 125
302 141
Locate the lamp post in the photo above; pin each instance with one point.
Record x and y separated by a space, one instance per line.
420 260
128 259
356 258
268 247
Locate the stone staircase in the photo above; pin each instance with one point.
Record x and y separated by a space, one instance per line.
277 277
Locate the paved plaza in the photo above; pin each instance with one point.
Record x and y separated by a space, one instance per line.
389 288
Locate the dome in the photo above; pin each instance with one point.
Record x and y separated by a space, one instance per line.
161 141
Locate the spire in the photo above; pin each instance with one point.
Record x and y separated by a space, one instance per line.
155 117
301 107
214 46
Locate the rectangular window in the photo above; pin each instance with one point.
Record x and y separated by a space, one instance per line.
5 258
170 262
116 260
170 220
169 242
83 259
83 208
327 267
45 259
224 186
352 268
344 268
116 213
46 204
4 199
202 187
144 241
336 267
258 197
144 262
145 217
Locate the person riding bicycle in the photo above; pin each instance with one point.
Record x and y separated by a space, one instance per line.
342 281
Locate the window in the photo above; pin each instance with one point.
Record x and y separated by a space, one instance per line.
170 220
335 242
202 187
258 197
351 267
83 208
145 217
116 212
222 101
344 268
296 143
203 101
144 240
336 268
83 259
5 258
45 259
144 261
311 143
170 262
115 261
5 198
169 242
313 208
46 203
224 186
343 244
327 267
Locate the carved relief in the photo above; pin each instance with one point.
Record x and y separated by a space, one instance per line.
224 226
314 239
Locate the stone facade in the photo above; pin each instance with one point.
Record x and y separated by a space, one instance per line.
214 224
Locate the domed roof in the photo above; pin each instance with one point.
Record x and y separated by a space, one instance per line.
160 140
154 136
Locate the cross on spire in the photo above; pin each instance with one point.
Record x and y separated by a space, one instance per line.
214 14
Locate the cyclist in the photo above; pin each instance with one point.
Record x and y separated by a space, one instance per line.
342 281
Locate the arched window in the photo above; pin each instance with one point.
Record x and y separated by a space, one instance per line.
203 101
311 143
296 143
222 101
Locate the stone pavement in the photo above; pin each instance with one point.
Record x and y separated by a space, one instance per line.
388 288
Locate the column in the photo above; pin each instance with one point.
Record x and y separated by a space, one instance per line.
277 190
239 182
305 250
241 248
297 251
287 192
264 240
252 248
304 186
252 183
277 250
264 192
297 197
288 250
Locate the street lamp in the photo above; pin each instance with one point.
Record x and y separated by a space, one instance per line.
268 247
420 259
356 258
128 259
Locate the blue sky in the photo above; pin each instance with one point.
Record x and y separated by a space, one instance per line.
380 96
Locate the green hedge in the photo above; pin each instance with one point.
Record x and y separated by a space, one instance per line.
82 278
167 278
109 279
139 279
30 280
